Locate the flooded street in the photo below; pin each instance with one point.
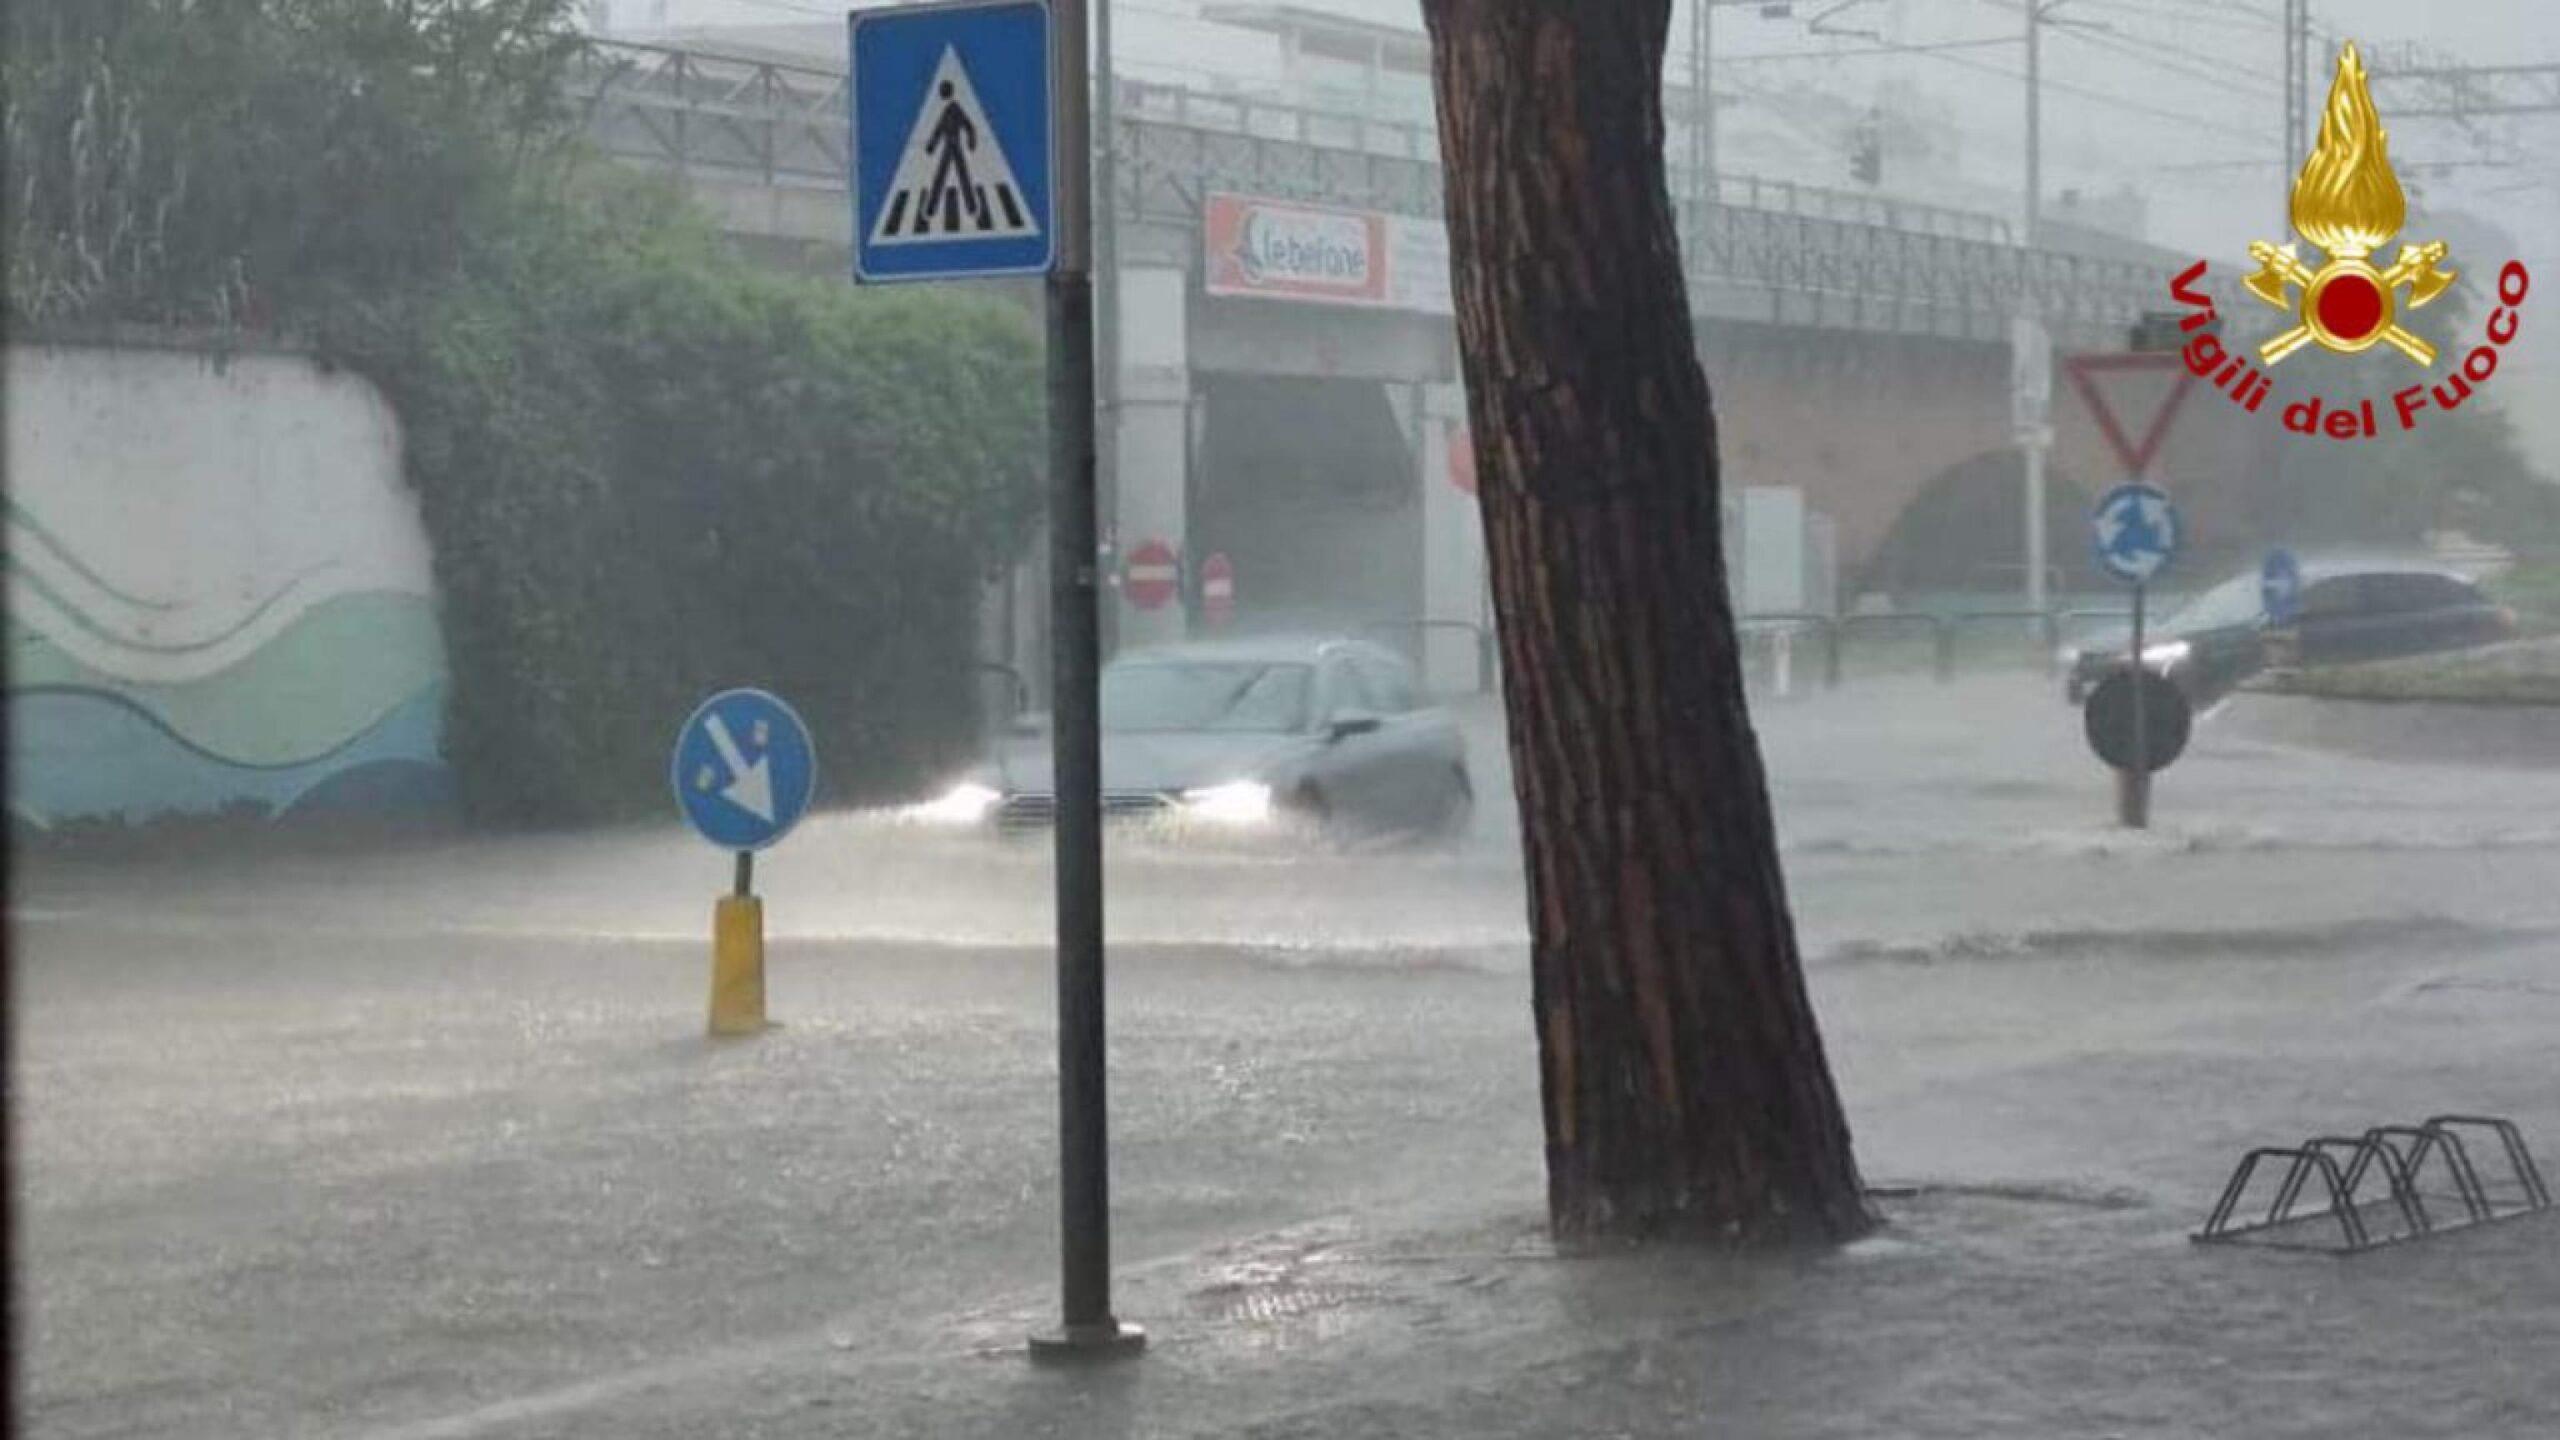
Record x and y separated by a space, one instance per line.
1913 817
427 1142
501 496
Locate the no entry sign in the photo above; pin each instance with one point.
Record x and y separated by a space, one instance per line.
1151 576
1218 588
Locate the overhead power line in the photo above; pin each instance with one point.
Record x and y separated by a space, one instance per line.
2225 77
2462 92
1982 43
2103 97
2200 12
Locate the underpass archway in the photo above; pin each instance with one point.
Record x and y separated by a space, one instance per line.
1962 538
1308 486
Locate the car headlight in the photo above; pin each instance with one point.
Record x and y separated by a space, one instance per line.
1238 802
2166 655
966 803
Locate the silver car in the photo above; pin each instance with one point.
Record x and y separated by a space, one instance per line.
1329 734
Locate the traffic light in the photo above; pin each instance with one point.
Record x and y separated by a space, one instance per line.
2156 330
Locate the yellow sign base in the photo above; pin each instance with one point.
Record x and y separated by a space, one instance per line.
737 966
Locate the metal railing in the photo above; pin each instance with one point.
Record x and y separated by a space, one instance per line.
1327 128
784 123
1146 100
2108 616
2044 626
1864 260
1789 197
1943 632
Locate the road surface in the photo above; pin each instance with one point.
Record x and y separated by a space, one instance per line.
428 1142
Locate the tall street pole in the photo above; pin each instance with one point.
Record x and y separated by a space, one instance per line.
2297 103
1702 134
2035 122
2295 144
1106 284
2031 441
1088 1327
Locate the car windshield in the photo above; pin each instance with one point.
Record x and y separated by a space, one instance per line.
2233 602
1204 695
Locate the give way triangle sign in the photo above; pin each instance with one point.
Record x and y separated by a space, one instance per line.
952 181
2143 388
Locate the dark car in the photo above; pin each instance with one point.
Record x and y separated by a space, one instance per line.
1245 736
2350 610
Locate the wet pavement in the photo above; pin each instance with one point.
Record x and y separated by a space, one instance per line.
428 1143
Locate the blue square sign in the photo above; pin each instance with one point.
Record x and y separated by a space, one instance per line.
952 141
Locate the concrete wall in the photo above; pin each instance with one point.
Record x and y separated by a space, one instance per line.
219 595
1865 425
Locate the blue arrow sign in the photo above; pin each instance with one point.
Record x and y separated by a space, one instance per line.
2280 586
2135 530
952 141
744 769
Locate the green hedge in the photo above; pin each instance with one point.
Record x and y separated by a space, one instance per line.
649 471
647 468
2532 589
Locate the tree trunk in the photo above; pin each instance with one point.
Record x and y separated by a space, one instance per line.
1685 1087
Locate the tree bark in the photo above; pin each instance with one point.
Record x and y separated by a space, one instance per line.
1685 1087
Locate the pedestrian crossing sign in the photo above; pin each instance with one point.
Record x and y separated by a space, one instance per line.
952 141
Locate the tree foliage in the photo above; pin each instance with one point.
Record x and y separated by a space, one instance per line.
647 468
195 160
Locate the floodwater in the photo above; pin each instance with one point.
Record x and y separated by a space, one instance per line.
427 1142
1912 815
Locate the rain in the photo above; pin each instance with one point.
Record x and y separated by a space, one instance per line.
469 659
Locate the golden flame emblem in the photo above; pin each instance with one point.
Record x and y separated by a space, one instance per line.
2348 202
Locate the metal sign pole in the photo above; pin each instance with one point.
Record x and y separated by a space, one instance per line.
2137 530
2031 421
2133 786
2031 455
1084 1185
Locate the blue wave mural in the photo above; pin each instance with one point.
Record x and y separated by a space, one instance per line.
219 594
97 754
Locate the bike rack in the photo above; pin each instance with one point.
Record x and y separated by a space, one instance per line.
2400 1153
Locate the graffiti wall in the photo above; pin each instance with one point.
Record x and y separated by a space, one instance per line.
219 597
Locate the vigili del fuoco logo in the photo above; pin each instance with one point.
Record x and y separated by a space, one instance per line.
2348 204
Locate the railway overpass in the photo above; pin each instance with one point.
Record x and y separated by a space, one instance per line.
1312 429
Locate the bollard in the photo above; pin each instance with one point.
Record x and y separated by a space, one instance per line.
737 958
1783 661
